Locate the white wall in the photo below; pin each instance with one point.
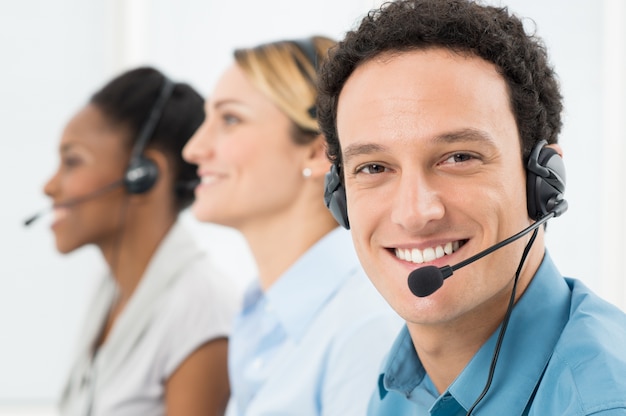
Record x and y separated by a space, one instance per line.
56 53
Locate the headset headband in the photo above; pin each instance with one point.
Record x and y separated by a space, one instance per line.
153 118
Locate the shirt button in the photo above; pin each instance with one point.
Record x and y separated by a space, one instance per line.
258 363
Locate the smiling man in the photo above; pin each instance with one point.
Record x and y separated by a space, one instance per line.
442 119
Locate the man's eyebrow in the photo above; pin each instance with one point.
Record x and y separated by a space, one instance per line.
362 149
463 135
466 135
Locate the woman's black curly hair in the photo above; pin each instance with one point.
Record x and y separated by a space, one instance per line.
462 26
127 101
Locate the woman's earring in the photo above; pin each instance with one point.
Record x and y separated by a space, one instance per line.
306 172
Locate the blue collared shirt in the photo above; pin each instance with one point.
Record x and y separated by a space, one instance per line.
564 353
313 343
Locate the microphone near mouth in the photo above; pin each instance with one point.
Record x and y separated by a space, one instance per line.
428 279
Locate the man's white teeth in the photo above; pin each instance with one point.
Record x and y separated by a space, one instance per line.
428 254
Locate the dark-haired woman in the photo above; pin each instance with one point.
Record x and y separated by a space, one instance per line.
155 338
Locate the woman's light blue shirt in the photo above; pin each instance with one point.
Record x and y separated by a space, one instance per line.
313 343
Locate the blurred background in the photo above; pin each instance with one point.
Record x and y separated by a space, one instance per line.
55 54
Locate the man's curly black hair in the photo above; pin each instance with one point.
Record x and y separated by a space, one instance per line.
462 26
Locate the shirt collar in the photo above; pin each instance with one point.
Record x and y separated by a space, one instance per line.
535 326
403 370
304 288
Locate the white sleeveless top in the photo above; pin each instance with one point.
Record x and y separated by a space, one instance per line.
181 303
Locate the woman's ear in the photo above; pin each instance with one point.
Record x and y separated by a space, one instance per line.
317 163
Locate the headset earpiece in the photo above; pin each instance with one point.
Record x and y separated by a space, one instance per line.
335 196
142 173
545 182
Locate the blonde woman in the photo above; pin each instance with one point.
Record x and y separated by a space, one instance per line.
312 331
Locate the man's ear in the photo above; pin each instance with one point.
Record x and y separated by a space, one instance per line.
557 148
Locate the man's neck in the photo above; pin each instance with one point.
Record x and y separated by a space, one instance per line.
446 349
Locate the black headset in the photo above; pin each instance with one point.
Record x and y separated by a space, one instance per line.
545 182
307 47
142 173
545 185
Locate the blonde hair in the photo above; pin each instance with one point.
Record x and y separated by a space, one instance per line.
283 71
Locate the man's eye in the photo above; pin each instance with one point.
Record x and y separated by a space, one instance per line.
372 168
458 158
